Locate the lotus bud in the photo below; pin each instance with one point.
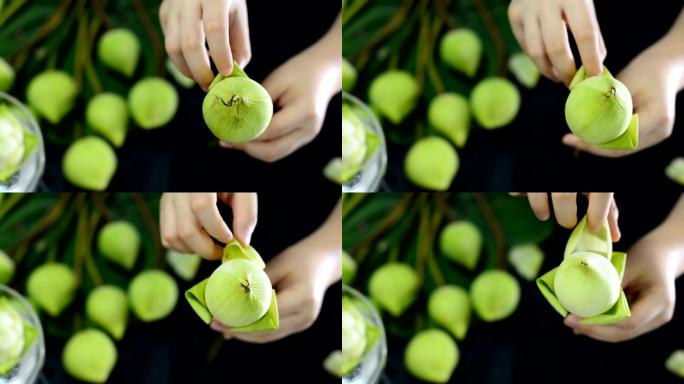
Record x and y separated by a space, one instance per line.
431 355
675 170
107 114
237 109
524 69
449 114
353 330
185 265
527 260
7 75
599 111
89 356
587 284
7 268
107 306
431 163
461 49
495 295
12 143
153 295
119 49
153 102
180 78
495 102
12 337
675 363
461 241
52 95
349 76
349 268
89 163
394 286
119 242
234 250
52 287
394 94
449 307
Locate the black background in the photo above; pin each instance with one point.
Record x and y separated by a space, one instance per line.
185 156
534 346
174 350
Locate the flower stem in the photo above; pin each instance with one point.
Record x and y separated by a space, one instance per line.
89 69
432 263
10 10
152 226
152 34
394 215
350 201
351 10
11 199
94 274
495 226
494 32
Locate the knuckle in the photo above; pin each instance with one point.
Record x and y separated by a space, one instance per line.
169 238
187 233
584 35
514 12
199 203
172 48
190 43
213 25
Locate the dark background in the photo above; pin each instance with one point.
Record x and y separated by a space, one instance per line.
534 346
528 154
175 350
185 156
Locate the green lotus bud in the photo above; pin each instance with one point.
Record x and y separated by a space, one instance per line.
119 49
89 356
495 295
12 145
180 78
185 265
587 284
7 75
153 102
524 69
394 286
153 295
353 330
119 242
461 49
431 163
52 287
449 114
675 170
52 95
107 306
527 260
495 102
6 268
599 111
89 163
349 268
449 307
675 363
394 94
431 355
238 293
107 114
12 337
349 76
461 241
237 109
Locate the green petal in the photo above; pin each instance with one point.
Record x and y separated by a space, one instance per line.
582 239
628 140
237 72
195 296
545 284
618 312
235 250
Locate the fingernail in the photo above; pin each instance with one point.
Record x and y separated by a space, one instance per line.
571 321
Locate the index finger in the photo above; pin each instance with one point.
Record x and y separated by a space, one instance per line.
245 209
585 30
216 23
597 213
209 217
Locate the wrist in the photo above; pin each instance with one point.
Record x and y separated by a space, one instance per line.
671 49
669 236
328 252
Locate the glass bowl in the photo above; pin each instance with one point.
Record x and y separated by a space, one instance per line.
28 368
28 176
370 369
369 178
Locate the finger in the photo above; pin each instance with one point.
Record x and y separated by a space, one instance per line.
168 228
216 21
555 37
191 234
192 44
172 42
239 37
290 299
284 121
572 141
245 210
275 85
288 326
517 26
584 26
209 217
565 209
539 203
597 213
273 150
220 328
535 48
613 215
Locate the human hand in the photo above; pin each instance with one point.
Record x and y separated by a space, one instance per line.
223 23
653 264
653 78
602 207
540 26
302 89
189 222
300 275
